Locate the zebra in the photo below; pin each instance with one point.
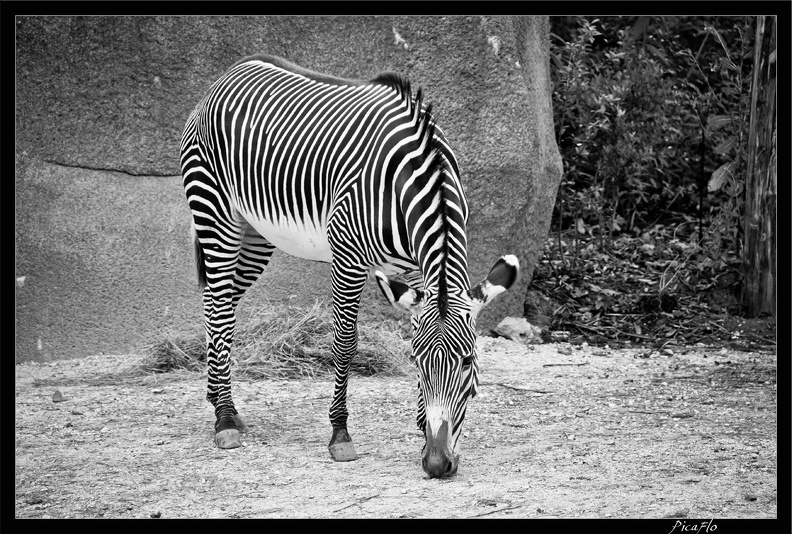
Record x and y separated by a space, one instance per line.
354 173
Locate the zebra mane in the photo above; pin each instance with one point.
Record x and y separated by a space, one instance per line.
395 81
438 165
435 172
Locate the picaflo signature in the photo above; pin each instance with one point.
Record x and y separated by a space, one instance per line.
703 526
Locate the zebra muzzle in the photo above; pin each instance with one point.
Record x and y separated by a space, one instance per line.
439 464
439 459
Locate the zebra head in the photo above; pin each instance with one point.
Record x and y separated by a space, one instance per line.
444 352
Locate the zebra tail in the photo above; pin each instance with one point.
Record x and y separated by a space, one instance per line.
200 265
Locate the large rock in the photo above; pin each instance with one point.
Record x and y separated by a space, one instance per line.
101 221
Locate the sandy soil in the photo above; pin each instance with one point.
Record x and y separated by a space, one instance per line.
557 431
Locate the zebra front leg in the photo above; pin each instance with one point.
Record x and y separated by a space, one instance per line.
347 287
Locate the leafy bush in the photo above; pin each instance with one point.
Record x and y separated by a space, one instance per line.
651 120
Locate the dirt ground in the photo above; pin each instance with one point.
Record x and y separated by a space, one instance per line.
557 431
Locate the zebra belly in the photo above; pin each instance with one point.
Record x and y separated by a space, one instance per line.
304 240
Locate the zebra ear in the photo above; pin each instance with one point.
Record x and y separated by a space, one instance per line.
400 295
500 278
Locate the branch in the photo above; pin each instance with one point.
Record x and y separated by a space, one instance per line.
501 510
515 387
359 501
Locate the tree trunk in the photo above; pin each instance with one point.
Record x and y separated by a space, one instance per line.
759 252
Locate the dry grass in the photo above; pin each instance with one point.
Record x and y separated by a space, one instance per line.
286 342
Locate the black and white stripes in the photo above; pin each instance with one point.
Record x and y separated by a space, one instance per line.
349 172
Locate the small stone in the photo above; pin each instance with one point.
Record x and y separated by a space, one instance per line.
750 497
156 515
565 351
518 329
76 412
58 396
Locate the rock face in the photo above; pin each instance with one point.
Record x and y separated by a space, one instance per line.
101 221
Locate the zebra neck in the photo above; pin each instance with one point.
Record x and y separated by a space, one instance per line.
433 221
440 249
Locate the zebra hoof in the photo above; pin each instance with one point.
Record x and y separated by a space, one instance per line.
341 447
240 424
227 432
343 452
228 439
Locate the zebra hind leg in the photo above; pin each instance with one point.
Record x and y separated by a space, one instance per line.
229 272
254 255
219 320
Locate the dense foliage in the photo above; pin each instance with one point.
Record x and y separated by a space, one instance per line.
648 113
651 117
